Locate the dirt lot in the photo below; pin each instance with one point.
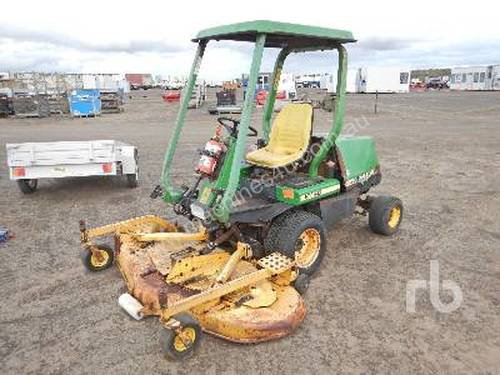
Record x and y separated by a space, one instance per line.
440 152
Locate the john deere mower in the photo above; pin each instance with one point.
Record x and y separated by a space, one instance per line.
262 216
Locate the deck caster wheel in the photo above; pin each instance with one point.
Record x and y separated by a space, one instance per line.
99 258
301 284
385 215
180 342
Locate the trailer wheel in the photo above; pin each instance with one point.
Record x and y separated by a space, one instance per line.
132 181
132 178
385 215
101 259
299 235
27 186
181 342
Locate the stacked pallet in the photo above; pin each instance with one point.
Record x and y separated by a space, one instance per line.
29 105
58 103
4 105
111 102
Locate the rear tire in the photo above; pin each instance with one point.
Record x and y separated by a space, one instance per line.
27 186
300 235
385 215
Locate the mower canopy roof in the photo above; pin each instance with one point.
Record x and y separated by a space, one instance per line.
278 34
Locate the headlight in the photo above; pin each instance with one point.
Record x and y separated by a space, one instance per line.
198 211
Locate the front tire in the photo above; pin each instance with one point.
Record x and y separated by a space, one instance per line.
385 215
27 186
300 235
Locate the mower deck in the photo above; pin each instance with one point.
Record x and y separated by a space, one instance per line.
255 304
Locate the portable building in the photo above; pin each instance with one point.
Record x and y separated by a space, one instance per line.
383 80
485 77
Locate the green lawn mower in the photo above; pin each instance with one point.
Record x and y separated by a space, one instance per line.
263 215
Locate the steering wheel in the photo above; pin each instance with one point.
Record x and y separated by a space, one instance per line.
231 126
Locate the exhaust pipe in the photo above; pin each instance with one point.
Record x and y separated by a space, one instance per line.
132 306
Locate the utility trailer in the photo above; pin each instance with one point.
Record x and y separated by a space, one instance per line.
31 161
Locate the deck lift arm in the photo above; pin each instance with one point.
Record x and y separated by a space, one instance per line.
288 44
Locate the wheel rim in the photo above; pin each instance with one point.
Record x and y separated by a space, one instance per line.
394 217
308 246
184 339
32 183
99 260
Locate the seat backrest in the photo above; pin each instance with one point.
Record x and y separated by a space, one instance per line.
291 131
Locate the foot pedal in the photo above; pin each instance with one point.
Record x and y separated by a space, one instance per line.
132 306
276 262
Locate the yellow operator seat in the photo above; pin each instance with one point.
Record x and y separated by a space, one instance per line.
289 138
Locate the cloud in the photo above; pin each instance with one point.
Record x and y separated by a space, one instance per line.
59 40
29 50
385 44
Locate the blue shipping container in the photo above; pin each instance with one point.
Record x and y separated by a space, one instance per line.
85 103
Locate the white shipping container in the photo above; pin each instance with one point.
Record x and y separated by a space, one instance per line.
330 82
383 80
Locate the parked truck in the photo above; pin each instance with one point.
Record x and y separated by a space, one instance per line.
139 81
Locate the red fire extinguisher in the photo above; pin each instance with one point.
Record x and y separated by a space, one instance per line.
210 156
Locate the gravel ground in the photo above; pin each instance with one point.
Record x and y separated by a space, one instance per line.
440 153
